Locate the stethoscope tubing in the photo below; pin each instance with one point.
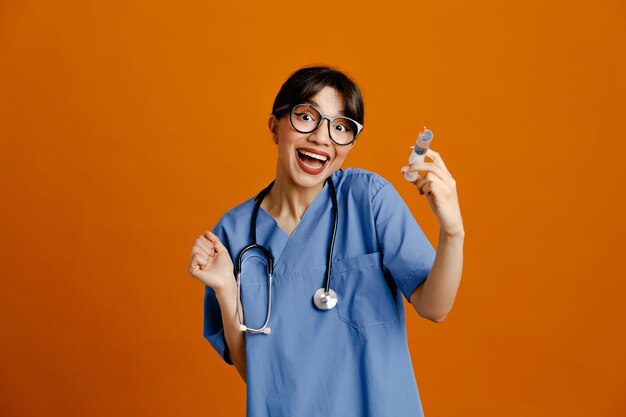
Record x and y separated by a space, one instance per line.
269 260
333 195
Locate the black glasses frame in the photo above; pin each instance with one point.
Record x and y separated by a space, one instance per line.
323 116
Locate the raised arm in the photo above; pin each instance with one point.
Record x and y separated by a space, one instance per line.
435 297
212 265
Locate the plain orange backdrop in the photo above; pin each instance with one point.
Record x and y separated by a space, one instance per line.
129 127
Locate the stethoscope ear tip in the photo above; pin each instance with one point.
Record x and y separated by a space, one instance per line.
267 330
243 327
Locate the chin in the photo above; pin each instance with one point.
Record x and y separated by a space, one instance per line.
306 180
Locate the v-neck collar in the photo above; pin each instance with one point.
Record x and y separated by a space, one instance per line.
321 196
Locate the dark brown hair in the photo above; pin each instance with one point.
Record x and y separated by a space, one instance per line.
308 81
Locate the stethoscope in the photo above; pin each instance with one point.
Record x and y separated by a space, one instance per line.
324 298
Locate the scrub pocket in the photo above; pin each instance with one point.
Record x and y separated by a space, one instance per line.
364 298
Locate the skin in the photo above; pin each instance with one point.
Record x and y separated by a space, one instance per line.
293 192
295 189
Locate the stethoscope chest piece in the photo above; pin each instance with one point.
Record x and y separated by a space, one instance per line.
325 300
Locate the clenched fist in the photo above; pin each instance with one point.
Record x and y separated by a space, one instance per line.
211 263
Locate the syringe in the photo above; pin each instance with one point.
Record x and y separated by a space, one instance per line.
421 146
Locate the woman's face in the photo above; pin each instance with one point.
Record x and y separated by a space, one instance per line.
322 157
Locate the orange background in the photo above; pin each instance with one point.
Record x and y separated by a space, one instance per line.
129 127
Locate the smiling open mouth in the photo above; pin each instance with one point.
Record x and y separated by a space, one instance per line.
312 160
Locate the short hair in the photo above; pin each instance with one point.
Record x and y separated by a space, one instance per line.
308 81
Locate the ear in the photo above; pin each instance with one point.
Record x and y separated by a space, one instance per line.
272 123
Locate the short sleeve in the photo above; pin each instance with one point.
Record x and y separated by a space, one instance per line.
407 254
213 326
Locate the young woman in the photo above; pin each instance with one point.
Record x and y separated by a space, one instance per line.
342 248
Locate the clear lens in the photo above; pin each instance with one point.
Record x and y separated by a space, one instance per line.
342 130
306 119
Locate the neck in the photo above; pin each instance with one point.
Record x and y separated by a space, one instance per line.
287 200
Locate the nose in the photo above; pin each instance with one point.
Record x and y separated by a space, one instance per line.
321 135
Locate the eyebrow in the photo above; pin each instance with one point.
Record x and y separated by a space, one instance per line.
309 101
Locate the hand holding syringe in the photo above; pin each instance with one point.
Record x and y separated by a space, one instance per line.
438 185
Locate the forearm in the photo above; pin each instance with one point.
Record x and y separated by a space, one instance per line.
235 338
440 289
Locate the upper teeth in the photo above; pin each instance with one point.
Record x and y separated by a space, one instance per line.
313 155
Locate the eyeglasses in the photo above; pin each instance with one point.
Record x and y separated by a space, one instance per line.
305 119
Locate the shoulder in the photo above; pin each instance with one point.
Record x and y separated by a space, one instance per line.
232 221
358 180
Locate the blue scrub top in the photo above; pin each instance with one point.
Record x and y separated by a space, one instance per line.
352 360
